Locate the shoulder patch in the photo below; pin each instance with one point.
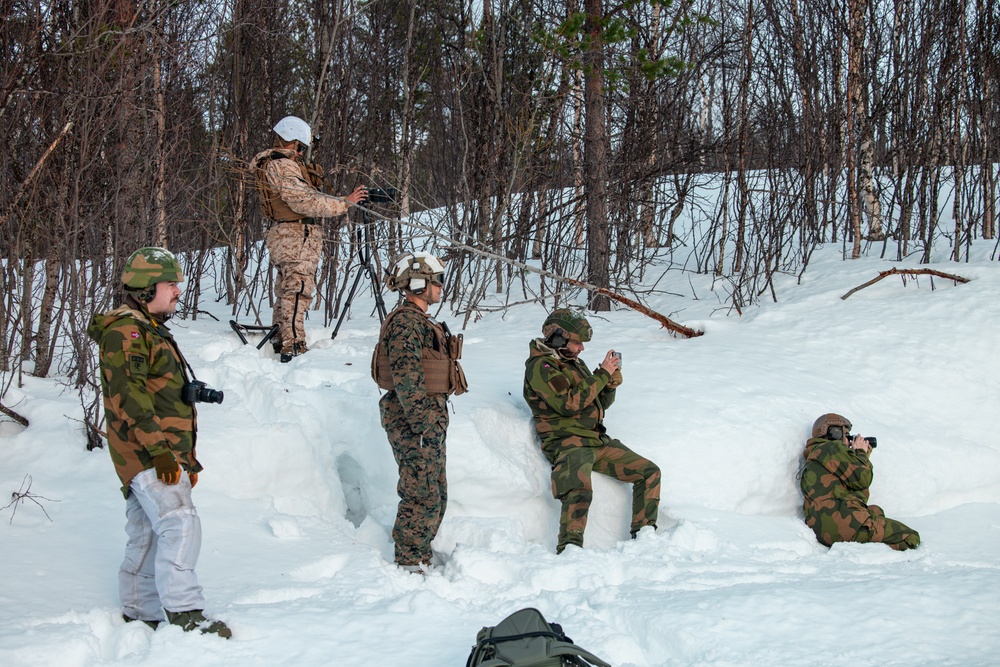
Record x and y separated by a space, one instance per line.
559 383
135 334
137 363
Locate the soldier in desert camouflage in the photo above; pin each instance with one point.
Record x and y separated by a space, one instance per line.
416 361
151 438
835 484
568 402
293 204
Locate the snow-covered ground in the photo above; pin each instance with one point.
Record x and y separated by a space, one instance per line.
298 496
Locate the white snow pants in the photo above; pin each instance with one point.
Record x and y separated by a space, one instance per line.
164 540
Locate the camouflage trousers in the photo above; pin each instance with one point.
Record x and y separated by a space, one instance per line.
853 521
571 484
295 249
422 486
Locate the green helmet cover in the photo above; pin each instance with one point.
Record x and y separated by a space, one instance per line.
574 325
148 266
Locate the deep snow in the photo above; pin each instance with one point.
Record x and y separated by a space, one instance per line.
298 496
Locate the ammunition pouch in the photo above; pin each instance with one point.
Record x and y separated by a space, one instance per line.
443 373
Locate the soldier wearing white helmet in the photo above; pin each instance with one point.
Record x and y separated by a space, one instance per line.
293 204
416 361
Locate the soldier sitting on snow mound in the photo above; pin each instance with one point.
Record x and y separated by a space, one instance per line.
568 402
835 484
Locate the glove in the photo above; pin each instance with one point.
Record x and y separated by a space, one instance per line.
616 380
167 468
194 478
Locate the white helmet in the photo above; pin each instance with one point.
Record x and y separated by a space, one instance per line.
412 271
293 128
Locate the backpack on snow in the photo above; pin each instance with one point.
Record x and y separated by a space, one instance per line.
526 639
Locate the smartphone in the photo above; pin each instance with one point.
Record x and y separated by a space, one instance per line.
618 355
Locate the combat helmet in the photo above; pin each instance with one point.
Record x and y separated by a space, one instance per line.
148 266
573 326
412 271
293 128
823 424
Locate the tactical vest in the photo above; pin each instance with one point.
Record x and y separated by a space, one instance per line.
442 372
271 204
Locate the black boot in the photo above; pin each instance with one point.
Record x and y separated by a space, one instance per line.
194 619
152 624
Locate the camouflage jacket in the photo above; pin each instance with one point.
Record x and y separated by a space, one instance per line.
409 333
566 399
835 478
142 374
286 190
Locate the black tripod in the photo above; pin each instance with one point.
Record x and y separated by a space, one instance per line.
364 260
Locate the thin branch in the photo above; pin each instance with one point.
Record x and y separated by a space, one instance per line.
34 170
23 494
687 332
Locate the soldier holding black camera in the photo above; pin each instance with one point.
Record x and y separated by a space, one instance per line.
149 395
835 484
291 200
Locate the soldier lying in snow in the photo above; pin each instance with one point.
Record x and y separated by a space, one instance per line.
835 484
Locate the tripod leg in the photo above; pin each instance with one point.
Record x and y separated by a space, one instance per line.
347 305
270 334
377 290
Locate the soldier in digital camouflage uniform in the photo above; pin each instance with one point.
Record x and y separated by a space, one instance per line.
151 438
835 484
568 402
416 361
291 201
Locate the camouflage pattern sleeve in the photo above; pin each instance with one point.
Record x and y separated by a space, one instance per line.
405 337
125 357
851 466
557 390
609 392
286 177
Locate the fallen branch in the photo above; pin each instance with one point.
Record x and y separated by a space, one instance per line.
907 272
634 305
13 414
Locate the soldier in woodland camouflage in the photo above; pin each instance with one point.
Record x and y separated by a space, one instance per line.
151 437
568 402
835 484
291 200
416 360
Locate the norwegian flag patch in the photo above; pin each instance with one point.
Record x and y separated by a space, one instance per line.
135 334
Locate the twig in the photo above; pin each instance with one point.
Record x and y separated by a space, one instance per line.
907 272
23 494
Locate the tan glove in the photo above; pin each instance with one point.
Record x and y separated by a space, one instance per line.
167 468
616 379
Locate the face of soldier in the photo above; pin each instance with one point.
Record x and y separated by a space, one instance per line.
574 348
165 300
433 293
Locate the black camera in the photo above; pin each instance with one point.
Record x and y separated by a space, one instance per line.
871 440
382 195
197 391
